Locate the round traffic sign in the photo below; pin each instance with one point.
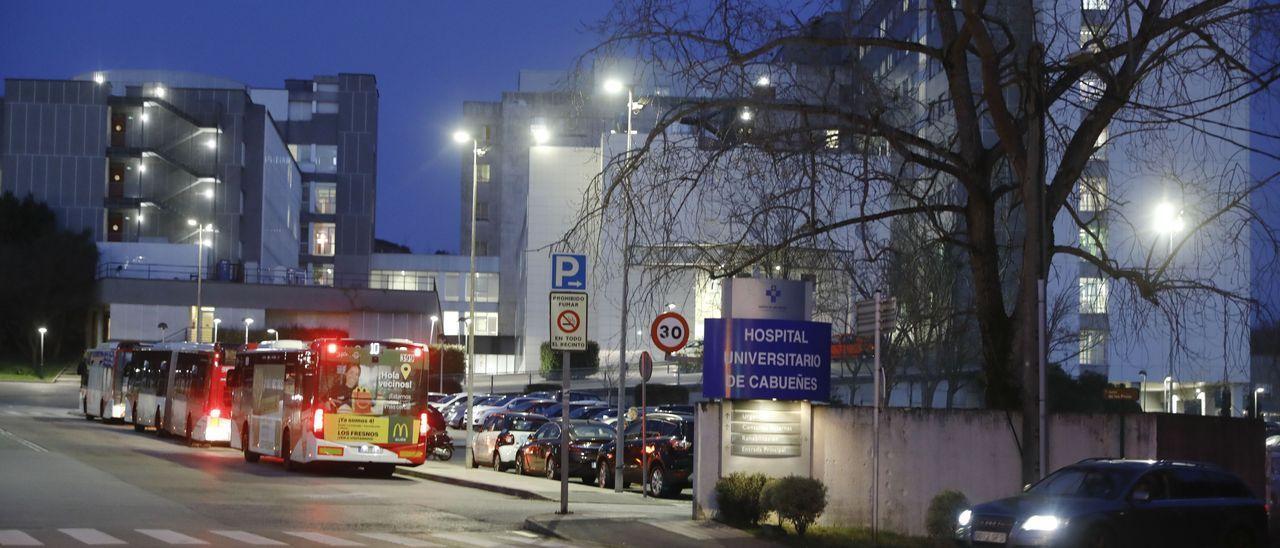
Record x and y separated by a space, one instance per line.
568 321
646 366
669 332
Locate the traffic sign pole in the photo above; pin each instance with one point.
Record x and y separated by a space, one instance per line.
564 432
568 318
646 371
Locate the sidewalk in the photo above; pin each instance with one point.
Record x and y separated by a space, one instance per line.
598 517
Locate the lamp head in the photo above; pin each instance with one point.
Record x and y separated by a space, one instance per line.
614 86
541 134
42 330
461 136
248 321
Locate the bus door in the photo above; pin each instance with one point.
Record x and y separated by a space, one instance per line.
266 403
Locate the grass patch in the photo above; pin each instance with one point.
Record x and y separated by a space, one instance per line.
24 371
832 537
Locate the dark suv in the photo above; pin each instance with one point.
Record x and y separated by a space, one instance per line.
670 449
1099 503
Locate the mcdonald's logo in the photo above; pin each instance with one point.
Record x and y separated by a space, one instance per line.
400 432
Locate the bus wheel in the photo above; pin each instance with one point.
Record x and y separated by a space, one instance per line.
102 408
190 440
84 406
160 433
286 453
249 456
137 426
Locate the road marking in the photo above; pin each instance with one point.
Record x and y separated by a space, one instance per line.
397 539
27 444
13 537
171 537
91 536
249 538
466 538
323 538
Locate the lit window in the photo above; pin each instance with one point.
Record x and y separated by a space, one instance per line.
402 280
482 173
1094 240
1093 296
322 274
322 239
326 159
1093 347
486 288
1101 5
1093 194
1100 146
833 138
324 198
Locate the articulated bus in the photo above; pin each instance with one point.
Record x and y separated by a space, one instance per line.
344 401
196 397
102 376
145 385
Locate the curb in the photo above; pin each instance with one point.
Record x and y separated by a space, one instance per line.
510 491
535 524
535 527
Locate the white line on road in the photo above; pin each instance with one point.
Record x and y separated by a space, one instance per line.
248 538
397 539
171 537
27 444
323 538
91 536
13 537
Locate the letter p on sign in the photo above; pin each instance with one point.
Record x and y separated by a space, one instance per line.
568 272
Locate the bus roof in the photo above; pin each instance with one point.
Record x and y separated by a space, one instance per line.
188 346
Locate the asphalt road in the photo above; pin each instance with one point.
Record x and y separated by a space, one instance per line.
67 481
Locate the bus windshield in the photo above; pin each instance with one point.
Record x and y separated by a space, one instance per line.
371 378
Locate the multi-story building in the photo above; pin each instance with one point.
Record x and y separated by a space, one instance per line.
265 195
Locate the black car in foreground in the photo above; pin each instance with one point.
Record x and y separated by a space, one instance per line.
541 453
1104 503
669 445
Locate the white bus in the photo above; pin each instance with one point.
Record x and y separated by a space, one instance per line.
101 378
357 402
145 385
196 402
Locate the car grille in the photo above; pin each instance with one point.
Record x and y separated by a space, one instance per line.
992 523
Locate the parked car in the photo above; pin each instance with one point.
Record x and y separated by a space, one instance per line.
670 448
527 406
607 415
507 405
482 409
541 453
501 436
544 394
553 411
1100 502
459 408
448 400
576 396
576 412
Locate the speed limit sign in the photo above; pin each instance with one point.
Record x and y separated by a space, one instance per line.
670 332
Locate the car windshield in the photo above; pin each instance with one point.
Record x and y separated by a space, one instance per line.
522 406
1085 482
486 400
598 431
524 423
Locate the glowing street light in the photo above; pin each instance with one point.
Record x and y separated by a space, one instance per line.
614 86
216 321
763 81
42 330
247 322
540 134
461 136
746 115
275 333
1256 391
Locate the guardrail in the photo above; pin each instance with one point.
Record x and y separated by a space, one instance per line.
236 273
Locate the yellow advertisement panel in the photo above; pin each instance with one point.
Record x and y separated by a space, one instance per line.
370 429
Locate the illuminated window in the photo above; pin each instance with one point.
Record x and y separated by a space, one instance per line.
1100 5
1093 194
1091 88
833 138
402 280
1100 146
1093 296
1093 347
322 274
324 198
322 239
1094 240
486 288
326 158
482 173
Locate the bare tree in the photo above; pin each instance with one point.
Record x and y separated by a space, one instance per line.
985 152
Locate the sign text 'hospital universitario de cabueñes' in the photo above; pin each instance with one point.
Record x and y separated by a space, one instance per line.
766 359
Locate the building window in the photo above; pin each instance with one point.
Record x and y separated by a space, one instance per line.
324 198
402 280
486 323
1098 5
327 88
1093 296
300 110
832 138
322 239
1093 347
1093 194
1091 88
326 107
326 158
1100 147
486 288
482 248
1094 240
482 210
482 173
452 286
322 274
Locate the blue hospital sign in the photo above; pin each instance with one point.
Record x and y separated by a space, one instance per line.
747 359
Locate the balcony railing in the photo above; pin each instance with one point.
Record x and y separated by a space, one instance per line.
236 273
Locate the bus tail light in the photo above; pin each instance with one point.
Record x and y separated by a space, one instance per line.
417 352
423 428
215 413
317 424
333 348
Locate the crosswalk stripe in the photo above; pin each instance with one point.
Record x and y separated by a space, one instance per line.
13 537
397 539
91 536
467 538
171 537
323 538
249 538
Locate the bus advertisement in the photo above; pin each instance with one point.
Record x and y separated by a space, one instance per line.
102 377
340 400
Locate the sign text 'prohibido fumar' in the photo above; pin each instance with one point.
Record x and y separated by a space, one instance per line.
747 359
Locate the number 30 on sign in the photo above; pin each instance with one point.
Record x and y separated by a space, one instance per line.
669 332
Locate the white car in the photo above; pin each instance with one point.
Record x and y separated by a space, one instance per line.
505 404
503 433
448 400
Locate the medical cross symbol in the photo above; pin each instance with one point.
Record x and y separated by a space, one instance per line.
773 294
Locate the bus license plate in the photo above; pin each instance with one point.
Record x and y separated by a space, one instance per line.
368 449
990 536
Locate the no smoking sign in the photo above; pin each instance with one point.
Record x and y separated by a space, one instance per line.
568 320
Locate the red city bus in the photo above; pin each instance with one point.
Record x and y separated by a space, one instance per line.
350 401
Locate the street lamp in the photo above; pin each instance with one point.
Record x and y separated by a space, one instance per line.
461 137
274 333
541 135
216 321
1142 386
1200 396
200 243
1168 221
1256 391
431 337
247 322
614 86
41 330
1168 393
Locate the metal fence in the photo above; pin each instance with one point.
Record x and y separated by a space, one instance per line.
236 273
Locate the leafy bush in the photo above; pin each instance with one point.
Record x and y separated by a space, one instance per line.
581 364
796 499
738 495
940 520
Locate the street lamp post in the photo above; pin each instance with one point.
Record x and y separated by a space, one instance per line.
216 321
614 86
1142 386
462 137
247 322
41 330
199 274
1168 394
1168 221
1256 412
274 333
431 339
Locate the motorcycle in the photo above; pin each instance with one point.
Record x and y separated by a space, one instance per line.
440 446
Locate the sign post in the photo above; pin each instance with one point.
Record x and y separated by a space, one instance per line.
873 316
646 371
568 333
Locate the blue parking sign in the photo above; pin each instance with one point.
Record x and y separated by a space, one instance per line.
568 272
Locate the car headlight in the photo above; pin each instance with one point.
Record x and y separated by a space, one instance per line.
964 518
1041 523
